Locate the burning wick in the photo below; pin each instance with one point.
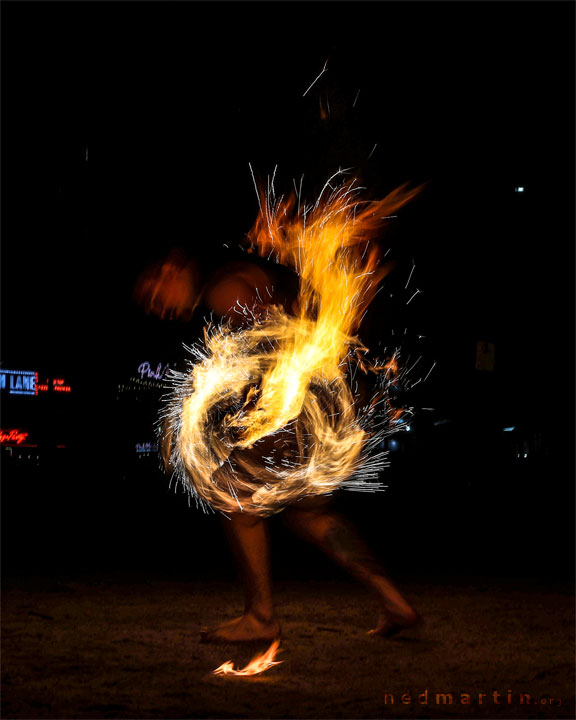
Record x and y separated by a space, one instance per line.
256 666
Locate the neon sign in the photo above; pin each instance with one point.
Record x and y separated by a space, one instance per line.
26 382
12 437
58 385
19 382
146 371
146 447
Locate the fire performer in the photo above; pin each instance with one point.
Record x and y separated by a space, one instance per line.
266 422
315 521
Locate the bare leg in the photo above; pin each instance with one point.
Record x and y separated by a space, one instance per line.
334 535
248 536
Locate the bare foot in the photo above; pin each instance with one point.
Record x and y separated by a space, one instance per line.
396 614
391 623
248 628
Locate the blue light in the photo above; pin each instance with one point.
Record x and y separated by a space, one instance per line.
509 429
19 382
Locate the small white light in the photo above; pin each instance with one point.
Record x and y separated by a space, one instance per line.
525 455
519 189
408 428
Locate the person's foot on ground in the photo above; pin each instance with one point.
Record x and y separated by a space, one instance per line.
247 628
390 623
396 612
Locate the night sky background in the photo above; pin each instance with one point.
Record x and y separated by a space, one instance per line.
129 129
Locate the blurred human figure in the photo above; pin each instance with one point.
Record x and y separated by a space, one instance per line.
171 289
313 519
237 286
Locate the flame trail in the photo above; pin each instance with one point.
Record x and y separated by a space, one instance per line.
265 416
257 665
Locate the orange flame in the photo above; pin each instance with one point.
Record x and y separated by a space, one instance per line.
266 416
330 247
256 666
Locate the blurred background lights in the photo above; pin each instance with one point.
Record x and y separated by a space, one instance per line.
519 188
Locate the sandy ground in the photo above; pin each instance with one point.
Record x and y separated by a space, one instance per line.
112 647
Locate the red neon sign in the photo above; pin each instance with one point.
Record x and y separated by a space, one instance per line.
11 437
27 382
58 385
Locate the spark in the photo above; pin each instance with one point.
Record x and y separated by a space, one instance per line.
255 186
413 296
413 366
316 79
409 276
372 151
356 98
426 378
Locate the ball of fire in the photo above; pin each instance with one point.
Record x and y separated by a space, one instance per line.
265 415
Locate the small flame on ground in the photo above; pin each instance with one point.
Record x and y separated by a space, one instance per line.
256 666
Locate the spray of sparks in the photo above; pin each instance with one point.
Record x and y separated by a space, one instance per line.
266 414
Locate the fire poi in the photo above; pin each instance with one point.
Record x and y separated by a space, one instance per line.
265 416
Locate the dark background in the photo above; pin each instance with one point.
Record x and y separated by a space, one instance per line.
128 129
